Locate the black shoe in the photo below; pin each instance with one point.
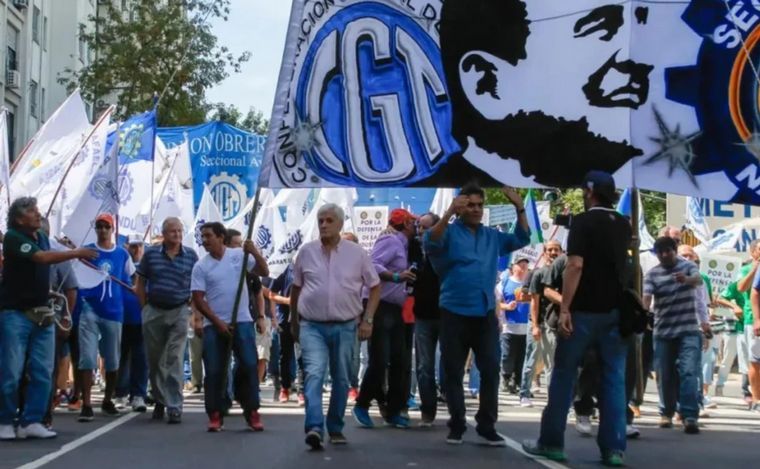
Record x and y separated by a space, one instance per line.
314 439
86 414
491 439
175 416
109 408
455 437
338 439
158 412
690 426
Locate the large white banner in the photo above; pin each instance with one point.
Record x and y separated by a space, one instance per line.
529 93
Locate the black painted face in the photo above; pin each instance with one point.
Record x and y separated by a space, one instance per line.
631 95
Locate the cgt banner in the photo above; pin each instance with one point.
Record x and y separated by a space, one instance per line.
225 158
526 93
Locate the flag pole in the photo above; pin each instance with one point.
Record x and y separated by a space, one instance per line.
637 281
105 114
239 293
154 210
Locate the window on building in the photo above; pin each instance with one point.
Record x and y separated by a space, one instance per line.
45 33
11 60
42 105
82 49
36 25
11 124
33 98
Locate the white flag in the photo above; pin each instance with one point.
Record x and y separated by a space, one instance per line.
344 198
173 198
296 203
52 148
724 242
442 200
101 195
268 229
207 212
695 220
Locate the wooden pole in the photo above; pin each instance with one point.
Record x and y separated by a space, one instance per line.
637 282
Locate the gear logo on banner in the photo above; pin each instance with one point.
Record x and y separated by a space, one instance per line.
130 141
729 115
197 232
292 244
264 241
229 194
371 105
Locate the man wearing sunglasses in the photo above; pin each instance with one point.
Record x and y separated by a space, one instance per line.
102 317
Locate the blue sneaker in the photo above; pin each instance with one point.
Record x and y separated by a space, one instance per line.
412 404
361 415
398 421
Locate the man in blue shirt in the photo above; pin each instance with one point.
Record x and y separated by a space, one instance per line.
465 256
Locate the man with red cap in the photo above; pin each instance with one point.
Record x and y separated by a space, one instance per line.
388 346
102 315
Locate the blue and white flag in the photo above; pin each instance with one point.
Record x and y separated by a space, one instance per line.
646 241
207 212
695 220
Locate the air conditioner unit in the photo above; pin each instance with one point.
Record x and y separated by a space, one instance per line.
20 3
13 79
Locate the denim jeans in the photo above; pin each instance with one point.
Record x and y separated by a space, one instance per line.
513 347
133 364
544 348
677 362
323 344
459 334
589 330
25 348
246 378
426 339
388 352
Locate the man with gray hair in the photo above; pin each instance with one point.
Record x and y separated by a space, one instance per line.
27 332
163 287
325 301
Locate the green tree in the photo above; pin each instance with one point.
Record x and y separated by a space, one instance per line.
157 47
254 121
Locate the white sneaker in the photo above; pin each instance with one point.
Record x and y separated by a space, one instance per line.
583 425
709 404
718 391
120 402
138 404
7 432
35 430
631 431
525 402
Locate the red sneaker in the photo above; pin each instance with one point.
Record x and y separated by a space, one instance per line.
301 400
215 422
353 394
254 421
284 396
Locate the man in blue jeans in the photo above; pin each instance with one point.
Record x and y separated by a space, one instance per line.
214 286
465 256
27 332
325 303
597 249
672 288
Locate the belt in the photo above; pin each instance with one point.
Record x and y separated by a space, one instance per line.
328 322
158 305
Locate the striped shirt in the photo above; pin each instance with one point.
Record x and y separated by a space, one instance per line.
168 280
675 307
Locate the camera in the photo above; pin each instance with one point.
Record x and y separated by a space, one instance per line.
563 220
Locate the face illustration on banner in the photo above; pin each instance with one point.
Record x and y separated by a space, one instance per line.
555 96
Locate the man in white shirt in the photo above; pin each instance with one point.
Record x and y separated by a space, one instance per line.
214 287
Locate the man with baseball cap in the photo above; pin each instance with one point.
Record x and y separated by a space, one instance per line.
388 349
100 322
593 282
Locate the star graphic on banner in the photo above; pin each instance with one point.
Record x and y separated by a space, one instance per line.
305 134
675 148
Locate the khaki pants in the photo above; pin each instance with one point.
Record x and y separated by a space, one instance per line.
165 334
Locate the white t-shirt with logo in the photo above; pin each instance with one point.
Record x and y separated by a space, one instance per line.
218 279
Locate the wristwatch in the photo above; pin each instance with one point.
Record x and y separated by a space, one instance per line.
368 320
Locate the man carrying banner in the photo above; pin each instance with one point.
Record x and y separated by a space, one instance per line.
27 332
465 255
214 295
593 282
163 287
325 303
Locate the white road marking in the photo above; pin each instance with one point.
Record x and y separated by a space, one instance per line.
71 446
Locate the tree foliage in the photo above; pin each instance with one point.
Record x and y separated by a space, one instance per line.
253 121
155 47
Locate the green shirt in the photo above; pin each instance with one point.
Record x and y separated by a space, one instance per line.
25 284
732 293
708 284
747 303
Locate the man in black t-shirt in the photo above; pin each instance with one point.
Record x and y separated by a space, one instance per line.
593 282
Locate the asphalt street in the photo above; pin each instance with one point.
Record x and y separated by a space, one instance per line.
729 438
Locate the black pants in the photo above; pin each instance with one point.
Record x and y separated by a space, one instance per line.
459 334
388 352
588 384
512 358
647 365
287 357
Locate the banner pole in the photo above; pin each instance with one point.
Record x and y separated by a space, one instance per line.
239 293
637 282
